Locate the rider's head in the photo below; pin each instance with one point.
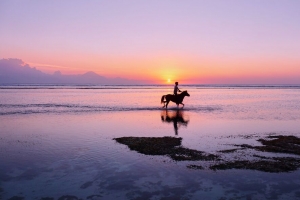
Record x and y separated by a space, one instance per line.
176 83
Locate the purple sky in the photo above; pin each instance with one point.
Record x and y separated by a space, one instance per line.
211 40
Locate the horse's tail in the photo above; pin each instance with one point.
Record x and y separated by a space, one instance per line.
162 99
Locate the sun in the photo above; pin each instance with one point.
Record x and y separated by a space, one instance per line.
169 80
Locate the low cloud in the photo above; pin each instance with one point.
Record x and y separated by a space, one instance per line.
15 71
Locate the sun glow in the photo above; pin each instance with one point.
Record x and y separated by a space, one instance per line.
169 80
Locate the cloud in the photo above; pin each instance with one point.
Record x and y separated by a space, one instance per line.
48 65
15 71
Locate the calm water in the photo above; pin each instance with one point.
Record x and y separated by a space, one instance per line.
58 140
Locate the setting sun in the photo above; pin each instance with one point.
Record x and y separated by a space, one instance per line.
169 80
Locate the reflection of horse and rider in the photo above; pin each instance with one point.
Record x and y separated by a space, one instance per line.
176 117
176 98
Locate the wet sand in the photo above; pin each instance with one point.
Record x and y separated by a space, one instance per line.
78 144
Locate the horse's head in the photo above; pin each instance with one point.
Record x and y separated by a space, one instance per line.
185 93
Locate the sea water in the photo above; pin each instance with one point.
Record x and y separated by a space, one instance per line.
58 140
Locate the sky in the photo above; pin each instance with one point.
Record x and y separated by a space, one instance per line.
193 42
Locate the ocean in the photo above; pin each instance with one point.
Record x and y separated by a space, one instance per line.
60 142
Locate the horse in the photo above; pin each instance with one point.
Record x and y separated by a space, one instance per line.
165 99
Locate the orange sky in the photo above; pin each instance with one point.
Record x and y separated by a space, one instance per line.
186 70
202 42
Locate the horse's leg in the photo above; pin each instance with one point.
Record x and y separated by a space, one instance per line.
182 105
167 104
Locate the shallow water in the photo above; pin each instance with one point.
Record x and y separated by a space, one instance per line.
57 141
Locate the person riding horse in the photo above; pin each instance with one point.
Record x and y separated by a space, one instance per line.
176 98
176 89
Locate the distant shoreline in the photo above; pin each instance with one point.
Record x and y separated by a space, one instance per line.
150 86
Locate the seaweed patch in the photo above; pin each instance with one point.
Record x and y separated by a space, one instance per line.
171 147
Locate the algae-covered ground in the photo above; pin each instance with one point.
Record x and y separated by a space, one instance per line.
289 146
169 146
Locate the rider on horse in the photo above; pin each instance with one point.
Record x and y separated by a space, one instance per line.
176 89
176 98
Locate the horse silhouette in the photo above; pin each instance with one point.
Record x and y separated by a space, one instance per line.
165 99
